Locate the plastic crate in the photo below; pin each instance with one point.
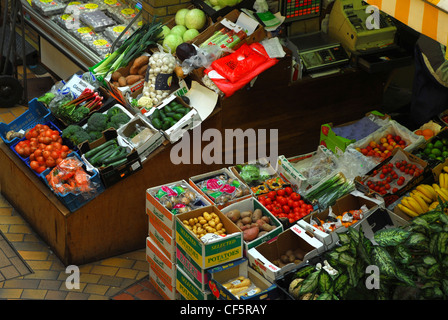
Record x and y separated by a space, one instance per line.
75 201
36 113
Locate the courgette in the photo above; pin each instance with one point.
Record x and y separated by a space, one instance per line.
93 160
95 150
118 163
115 159
108 155
178 116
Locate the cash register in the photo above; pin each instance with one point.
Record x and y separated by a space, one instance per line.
348 25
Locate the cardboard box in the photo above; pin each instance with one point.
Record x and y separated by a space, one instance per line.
160 263
351 201
336 143
287 168
380 218
389 198
261 257
174 133
227 273
200 277
146 141
162 286
196 180
250 205
262 186
161 238
166 217
110 175
188 290
256 36
217 251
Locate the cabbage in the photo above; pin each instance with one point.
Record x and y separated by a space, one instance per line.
165 31
190 34
229 3
214 2
179 18
171 42
195 19
179 29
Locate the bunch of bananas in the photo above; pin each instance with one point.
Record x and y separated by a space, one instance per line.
422 199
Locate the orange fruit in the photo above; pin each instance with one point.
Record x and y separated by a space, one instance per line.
419 132
427 132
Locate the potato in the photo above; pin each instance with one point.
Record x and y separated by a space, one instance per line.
142 70
250 234
131 79
246 214
284 258
299 253
234 215
140 62
256 215
266 219
261 233
267 227
115 76
291 258
246 220
122 81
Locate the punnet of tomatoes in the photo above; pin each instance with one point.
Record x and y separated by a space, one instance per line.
44 147
390 177
285 203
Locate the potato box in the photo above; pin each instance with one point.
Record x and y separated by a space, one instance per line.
188 290
160 263
164 241
215 251
262 256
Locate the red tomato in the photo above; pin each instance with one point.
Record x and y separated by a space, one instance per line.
295 196
282 200
286 209
281 192
272 195
289 190
290 203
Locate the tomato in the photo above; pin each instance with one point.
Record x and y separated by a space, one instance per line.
40 169
268 200
46 154
282 200
291 220
286 209
289 190
309 207
50 162
54 154
281 192
295 196
290 203
272 195
34 165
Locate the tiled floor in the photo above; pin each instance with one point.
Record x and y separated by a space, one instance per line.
124 277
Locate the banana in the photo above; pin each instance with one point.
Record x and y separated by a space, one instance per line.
431 191
445 168
415 205
445 179
422 195
441 180
433 205
421 202
444 191
408 211
428 191
436 187
442 195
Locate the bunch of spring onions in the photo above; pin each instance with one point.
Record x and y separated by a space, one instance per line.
326 192
148 34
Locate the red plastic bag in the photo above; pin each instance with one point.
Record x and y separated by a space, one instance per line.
227 86
237 64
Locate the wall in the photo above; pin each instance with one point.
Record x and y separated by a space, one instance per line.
164 9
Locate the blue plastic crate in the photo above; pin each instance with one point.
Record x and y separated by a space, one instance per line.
75 201
52 126
36 113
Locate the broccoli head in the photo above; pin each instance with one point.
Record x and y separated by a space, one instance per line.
70 131
113 111
80 137
79 114
94 135
119 119
97 122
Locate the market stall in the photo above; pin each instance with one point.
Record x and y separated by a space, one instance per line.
120 156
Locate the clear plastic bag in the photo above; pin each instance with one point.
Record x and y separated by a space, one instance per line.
69 176
97 20
99 44
178 198
113 32
49 8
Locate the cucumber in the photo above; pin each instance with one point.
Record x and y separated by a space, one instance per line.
118 162
167 108
177 107
166 125
169 119
170 114
162 114
95 150
108 155
119 157
93 160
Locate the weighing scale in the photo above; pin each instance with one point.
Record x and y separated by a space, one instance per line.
318 52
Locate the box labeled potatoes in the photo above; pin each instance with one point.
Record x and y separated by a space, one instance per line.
205 247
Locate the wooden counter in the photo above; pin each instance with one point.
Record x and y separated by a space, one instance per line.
113 223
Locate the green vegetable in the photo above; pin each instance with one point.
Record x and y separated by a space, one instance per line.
94 160
70 130
79 137
97 122
119 119
97 149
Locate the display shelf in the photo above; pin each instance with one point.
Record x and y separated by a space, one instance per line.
71 47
